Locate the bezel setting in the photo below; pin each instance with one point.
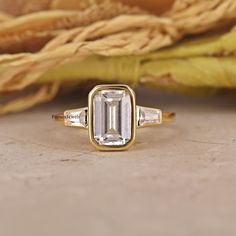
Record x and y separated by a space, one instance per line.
91 117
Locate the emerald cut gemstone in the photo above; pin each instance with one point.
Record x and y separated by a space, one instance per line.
112 117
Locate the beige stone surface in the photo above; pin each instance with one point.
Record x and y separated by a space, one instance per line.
178 180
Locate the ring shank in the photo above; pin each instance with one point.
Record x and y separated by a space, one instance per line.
58 117
167 117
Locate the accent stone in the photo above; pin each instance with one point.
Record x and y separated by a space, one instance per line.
148 116
76 118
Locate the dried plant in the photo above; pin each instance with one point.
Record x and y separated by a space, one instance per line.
119 43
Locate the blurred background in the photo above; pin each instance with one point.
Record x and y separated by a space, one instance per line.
48 47
178 55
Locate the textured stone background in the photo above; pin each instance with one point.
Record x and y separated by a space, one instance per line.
179 179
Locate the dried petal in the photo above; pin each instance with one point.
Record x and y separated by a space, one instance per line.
44 94
31 32
20 7
123 45
4 16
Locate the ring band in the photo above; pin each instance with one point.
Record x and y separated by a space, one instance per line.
112 117
167 117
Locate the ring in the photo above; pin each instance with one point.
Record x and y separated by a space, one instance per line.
112 117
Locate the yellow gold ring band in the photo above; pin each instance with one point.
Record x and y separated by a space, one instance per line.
167 117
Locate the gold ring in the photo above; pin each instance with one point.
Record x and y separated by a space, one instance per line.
112 117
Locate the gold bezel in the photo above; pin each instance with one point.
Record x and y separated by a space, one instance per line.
90 117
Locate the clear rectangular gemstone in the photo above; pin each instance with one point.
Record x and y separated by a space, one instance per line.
112 117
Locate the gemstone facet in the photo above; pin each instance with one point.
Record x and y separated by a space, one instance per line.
148 116
76 118
112 116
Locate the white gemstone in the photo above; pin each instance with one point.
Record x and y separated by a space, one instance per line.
148 116
112 119
76 118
